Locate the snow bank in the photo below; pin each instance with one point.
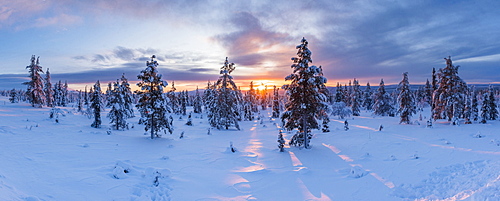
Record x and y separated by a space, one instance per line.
457 182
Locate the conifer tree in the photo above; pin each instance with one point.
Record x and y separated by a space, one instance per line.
173 100
406 101
198 102
492 112
35 93
428 92
253 98
210 99
248 114
226 113
80 101
49 92
65 94
86 96
383 102
474 106
13 96
448 98
120 102
276 103
489 108
468 109
368 100
183 99
355 98
152 104
339 108
306 104
96 105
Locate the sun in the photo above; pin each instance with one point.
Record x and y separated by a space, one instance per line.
262 85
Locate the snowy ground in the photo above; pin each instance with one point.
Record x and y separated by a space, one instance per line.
69 160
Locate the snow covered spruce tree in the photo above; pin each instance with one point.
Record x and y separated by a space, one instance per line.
383 102
356 98
306 104
489 108
225 110
35 93
276 103
13 96
197 102
120 101
339 108
49 92
152 104
367 99
96 105
61 94
448 99
406 101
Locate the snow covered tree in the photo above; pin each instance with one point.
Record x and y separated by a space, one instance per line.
474 106
489 108
61 94
355 98
35 93
198 102
276 103
306 104
248 113
183 101
86 97
96 105
13 96
120 102
368 100
49 92
448 98
383 102
152 104
339 108
173 101
468 109
227 97
406 101
79 103
428 93
210 96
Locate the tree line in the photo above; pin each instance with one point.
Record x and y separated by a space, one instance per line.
307 103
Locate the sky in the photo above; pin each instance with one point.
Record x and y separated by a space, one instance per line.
85 41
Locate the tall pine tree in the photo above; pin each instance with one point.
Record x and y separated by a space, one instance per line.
35 93
406 100
96 105
152 104
227 97
306 104
49 92
383 102
448 98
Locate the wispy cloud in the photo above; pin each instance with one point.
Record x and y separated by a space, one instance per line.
488 58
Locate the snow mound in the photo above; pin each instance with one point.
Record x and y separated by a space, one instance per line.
121 170
479 180
357 172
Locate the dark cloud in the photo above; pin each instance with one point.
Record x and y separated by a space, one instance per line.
249 43
125 54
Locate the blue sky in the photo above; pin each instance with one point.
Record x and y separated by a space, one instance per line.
83 41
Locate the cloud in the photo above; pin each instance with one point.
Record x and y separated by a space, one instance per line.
124 53
250 44
487 58
60 20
